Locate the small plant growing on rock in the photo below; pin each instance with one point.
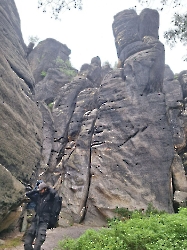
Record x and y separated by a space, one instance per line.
50 105
66 67
43 73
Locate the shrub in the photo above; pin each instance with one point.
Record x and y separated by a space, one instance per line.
66 67
147 231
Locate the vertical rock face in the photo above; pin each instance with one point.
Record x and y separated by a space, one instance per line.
174 88
12 45
20 120
113 142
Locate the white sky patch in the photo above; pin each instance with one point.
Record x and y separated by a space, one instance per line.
88 33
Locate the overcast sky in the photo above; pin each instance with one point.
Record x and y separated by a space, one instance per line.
88 32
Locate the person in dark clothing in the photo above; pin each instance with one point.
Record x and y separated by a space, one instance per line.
40 222
29 210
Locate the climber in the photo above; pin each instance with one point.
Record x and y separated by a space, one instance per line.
29 209
43 197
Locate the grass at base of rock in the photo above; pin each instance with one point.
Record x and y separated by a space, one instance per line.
145 231
10 243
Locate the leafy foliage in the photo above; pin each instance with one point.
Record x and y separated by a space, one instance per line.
50 105
65 67
43 73
161 4
149 230
57 6
179 32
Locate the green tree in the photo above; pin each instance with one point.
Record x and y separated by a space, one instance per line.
57 6
179 32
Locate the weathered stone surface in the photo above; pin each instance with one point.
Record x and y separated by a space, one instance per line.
174 102
168 73
126 152
63 109
133 48
20 120
48 135
174 90
149 23
148 66
113 142
12 46
125 29
178 174
92 71
20 125
139 47
129 29
180 199
47 54
183 81
11 195
65 102
105 70
48 88
77 169
120 159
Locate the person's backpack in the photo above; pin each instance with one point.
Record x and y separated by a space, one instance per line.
56 208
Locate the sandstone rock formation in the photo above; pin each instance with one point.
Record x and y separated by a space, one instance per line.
113 142
174 88
47 54
102 137
20 120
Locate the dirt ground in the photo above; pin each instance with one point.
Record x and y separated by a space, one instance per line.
53 236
